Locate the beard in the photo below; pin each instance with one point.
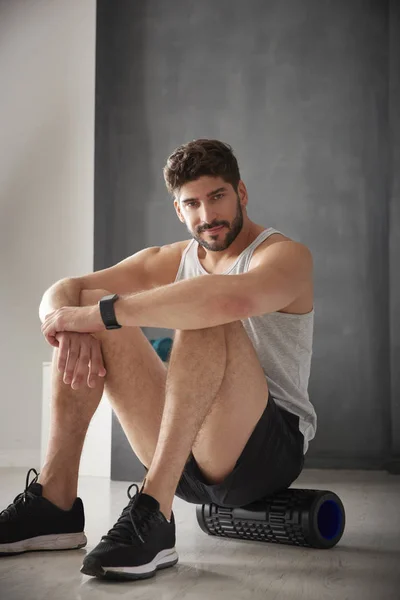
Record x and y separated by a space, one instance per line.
218 245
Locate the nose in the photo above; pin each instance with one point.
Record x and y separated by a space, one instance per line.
207 215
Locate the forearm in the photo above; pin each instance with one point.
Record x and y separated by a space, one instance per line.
197 303
65 292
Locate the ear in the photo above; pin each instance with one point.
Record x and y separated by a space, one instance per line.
242 191
178 211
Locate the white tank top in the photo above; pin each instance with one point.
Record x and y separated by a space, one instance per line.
283 341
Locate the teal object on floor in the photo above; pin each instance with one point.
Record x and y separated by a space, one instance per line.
162 346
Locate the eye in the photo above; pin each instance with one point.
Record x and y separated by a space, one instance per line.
218 196
190 203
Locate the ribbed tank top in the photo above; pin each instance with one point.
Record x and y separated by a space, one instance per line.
283 341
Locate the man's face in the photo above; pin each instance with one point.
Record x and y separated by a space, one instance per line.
208 203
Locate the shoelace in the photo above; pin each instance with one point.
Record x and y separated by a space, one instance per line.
21 500
132 517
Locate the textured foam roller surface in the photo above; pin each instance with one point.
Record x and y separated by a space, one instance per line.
312 518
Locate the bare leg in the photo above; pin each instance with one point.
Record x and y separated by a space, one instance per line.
196 371
233 407
135 385
71 412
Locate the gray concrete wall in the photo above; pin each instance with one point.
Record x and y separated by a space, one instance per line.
394 115
300 90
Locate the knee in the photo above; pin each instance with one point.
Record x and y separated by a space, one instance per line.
233 327
91 297
196 338
198 333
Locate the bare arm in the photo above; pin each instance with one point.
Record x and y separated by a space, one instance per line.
196 303
81 352
280 276
65 292
144 270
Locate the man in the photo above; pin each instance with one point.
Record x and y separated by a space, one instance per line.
228 420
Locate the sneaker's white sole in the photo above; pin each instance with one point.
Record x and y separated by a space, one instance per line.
61 541
164 559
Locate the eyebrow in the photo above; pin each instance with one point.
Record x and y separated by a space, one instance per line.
220 189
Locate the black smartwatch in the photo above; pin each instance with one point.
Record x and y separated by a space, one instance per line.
106 305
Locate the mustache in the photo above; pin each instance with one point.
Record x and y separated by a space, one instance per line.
215 224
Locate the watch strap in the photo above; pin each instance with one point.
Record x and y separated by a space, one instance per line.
107 311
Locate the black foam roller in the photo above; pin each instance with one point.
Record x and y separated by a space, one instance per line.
313 518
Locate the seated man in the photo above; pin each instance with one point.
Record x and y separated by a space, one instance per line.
227 420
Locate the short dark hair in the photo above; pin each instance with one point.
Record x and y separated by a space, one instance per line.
200 157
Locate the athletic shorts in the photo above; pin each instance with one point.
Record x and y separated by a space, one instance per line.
272 459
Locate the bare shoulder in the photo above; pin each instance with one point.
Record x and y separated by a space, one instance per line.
279 246
280 243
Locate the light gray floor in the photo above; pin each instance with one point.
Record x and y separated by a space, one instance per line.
364 565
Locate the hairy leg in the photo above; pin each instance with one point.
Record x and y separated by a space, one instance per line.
210 372
70 414
135 386
216 392
241 401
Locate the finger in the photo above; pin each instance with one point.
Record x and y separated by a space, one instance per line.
91 377
50 335
52 325
73 355
52 341
64 342
81 374
97 358
96 362
46 326
82 364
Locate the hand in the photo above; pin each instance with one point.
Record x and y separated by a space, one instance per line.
80 358
82 319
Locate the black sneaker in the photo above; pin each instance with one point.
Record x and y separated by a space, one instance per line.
141 542
32 522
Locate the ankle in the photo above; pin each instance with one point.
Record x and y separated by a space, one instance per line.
165 505
61 500
166 510
61 493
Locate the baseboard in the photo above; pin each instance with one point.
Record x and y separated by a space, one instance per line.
393 466
20 458
357 463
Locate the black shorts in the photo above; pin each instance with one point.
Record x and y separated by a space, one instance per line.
272 459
